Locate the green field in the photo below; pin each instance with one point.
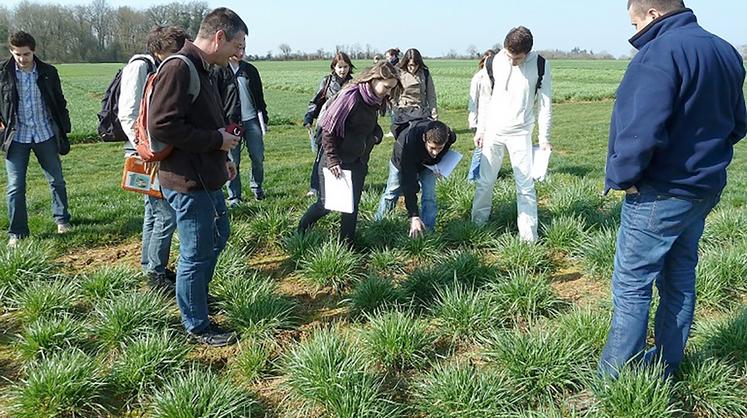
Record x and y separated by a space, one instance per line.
468 322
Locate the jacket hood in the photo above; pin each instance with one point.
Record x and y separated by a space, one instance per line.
667 22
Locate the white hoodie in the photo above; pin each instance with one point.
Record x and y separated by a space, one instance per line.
511 109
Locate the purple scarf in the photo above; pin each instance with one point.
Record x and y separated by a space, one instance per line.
333 120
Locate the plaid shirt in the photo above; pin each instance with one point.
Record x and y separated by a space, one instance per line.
34 121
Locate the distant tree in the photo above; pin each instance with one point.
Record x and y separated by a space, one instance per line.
744 52
472 51
452 54
285 49
268 56
4 28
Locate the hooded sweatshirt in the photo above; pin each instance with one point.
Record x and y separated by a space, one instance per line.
511 109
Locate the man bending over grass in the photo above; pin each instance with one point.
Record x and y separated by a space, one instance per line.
422 143
679 111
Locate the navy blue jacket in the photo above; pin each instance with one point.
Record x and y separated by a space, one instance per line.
679 111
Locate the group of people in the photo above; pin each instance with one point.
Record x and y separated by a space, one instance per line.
678 113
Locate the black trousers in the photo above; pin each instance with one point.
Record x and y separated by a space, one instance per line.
348 221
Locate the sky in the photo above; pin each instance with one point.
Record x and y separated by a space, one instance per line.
435 27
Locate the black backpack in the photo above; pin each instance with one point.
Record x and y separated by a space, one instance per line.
540 72
110 130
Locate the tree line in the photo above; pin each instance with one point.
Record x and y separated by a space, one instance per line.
95 32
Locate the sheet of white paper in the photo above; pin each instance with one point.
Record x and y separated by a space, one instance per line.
262 125
447 164
338 192
540 161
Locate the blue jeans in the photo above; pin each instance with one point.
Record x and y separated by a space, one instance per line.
159 223
16 166
202 222
255 144
474 166
657 242
428 200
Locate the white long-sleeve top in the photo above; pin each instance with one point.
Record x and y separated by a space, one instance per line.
479 96
132 84
511 109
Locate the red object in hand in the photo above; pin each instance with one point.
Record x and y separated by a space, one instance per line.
235 129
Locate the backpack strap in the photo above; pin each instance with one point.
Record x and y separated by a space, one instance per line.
489 69
147 59
540 73
194 77
326 87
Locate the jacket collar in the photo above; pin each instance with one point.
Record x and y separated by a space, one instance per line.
669 21
195 54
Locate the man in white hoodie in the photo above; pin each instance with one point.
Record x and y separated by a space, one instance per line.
159 219
519 97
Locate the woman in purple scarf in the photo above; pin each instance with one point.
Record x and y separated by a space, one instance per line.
349 132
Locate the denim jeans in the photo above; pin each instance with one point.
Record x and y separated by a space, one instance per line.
254 142
159 223
519 148
657 243
202 222
474 166
428 200
16 166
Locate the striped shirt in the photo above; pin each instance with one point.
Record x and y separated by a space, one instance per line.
34 121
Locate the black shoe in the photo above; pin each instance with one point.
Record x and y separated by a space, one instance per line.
160 283
213 336
170 275
259 194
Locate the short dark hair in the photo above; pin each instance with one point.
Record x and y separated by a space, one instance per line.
165 40
223 19
341 56
437 133
519 40
21 39
663 6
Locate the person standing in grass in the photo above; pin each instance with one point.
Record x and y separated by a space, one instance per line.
34 114
422 143
392 56
349 132
243 97
417 98
193 175
480 89
678 114
159 219
507 123
341 73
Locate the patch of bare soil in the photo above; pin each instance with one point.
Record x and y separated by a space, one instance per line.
88 259
574 287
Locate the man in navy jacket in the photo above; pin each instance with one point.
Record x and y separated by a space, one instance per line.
679 111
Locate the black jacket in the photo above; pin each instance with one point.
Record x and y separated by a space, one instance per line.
362 132
51 92
410 156
228 88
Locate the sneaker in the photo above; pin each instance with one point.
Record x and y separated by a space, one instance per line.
13 241
311 193
63 228
259 194
234 203
171 275
160 283
213 336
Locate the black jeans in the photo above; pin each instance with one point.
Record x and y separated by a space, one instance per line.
315 170
348 221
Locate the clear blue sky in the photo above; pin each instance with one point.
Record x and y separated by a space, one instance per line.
437 26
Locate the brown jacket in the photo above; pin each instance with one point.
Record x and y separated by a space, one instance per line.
362 132
197 162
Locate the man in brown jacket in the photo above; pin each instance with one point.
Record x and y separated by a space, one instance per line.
193 175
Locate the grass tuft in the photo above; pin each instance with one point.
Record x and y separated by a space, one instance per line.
372 294
28 262
108 281
127 315
565 232
638 392
46 335
712 388
526 297
44 299
461 313
198 393
333 264
397 340
597 253
253 305
517 255
65 384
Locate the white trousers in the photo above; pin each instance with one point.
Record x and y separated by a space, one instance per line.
519 149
